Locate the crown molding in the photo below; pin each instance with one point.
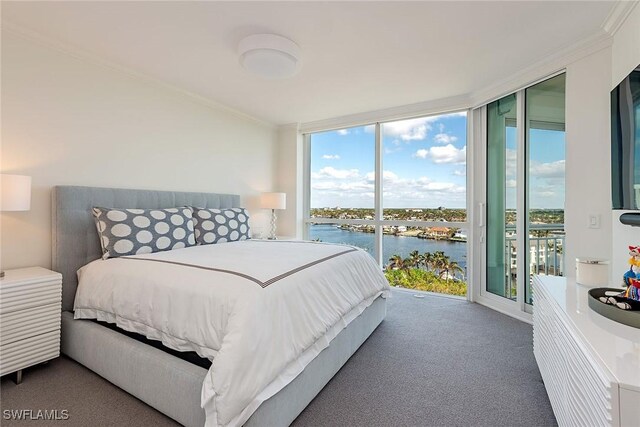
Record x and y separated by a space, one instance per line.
86 56
617 15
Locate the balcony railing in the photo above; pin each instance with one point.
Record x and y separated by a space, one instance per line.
546 252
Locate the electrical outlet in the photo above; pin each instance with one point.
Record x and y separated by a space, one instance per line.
594 221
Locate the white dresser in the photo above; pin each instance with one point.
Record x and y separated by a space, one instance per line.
30 302
590 365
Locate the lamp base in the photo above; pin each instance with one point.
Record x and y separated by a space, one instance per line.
272 235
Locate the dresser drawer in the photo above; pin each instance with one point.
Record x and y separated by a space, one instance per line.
18 325
15 298
24 353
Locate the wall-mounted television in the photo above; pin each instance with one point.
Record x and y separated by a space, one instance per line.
625 146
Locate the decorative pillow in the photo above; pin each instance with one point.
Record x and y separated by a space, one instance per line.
220 225
143 231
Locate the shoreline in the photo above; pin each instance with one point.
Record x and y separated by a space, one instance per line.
419 234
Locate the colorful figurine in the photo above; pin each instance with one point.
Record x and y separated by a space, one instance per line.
634 262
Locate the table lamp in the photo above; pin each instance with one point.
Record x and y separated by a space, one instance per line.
273 201
16 194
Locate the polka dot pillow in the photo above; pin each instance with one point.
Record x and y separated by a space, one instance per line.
220 225
143 231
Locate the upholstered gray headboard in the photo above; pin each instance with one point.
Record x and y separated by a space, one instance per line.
74 237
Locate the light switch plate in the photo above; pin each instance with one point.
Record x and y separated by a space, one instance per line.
594 221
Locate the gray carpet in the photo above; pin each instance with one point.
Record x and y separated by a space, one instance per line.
434 361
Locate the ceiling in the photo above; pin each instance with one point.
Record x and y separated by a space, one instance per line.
357 56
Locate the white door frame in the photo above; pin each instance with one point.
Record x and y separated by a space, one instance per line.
479 293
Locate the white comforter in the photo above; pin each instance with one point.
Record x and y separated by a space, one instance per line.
260 310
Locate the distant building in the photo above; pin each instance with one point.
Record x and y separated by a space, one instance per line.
437 233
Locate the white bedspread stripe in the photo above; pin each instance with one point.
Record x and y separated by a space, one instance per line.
304 267
246 276
202 267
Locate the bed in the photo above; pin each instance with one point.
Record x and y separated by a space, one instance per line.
168 383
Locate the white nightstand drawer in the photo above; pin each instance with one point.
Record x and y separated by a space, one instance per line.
14 298
21 354
22 324
30 303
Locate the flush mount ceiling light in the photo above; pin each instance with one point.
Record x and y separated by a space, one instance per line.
269 56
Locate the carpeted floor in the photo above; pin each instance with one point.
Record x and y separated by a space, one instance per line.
434 361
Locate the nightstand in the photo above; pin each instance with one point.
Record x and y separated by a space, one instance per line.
30 303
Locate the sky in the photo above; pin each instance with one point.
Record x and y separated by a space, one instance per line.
424 164
546 169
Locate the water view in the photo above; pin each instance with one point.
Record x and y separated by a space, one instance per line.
391 244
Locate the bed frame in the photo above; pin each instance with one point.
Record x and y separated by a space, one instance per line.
167 383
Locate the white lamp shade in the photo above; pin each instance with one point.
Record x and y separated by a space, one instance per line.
273 201
16 193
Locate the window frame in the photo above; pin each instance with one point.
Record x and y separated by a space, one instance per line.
378 222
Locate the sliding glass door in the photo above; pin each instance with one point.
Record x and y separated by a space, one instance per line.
525 160
544 174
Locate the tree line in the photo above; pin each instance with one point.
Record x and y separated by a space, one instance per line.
437 262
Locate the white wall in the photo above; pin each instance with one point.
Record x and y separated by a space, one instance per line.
588 165
70 121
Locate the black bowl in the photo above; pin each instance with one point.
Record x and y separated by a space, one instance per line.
626 317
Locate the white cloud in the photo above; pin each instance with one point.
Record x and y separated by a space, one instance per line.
350 186
422 153
546 194
387 177
413 129
407 130
444 154
439 186
512 162
443 138
511 183
330 172
331 157
342 132
460 172
548 170
332 187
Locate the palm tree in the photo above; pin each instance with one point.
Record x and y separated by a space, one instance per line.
427 260
396 263
451 268
440 260
415 260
